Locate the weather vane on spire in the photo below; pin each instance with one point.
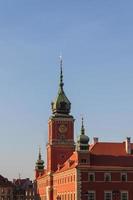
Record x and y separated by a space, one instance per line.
61 73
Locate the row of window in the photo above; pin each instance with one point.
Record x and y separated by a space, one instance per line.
66 179
5 198
107 177
5 190
91 178
68 196
24 198
109 195
29 193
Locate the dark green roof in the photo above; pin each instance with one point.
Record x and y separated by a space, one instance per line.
61 105
40 162
83 139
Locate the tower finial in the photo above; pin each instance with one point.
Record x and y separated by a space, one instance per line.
61 105
61 73
82 127
39 155
39 168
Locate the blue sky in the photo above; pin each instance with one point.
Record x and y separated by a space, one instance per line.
96 41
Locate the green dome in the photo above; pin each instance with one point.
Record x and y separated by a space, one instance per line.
40 164
83 140
61 104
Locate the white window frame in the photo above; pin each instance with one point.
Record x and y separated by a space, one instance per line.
105 192
93 192
122 192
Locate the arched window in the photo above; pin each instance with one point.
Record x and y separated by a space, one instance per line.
123 177
107 177
91 177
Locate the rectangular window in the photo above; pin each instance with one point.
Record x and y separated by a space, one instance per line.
124 195
2 190
123 176
107 177
74 196
91 195
91 177
83 161
107 195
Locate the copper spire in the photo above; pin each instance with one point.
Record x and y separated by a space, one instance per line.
39 155
61 73
82 127
61 105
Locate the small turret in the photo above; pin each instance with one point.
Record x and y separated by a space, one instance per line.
61 105
39 168
83 140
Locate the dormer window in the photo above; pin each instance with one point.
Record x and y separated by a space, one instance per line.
107 177
123 177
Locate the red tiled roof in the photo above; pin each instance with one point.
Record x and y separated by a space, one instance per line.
103 154
111 149
109 160
110 154
69 164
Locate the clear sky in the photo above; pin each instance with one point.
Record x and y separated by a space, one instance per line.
96 41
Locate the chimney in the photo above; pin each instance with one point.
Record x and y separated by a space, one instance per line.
95 140
128 145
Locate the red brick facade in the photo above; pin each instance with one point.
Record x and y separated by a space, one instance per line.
82 171
60 143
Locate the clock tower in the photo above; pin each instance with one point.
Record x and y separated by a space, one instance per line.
60 129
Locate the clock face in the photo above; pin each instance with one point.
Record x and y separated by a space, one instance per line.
62 128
